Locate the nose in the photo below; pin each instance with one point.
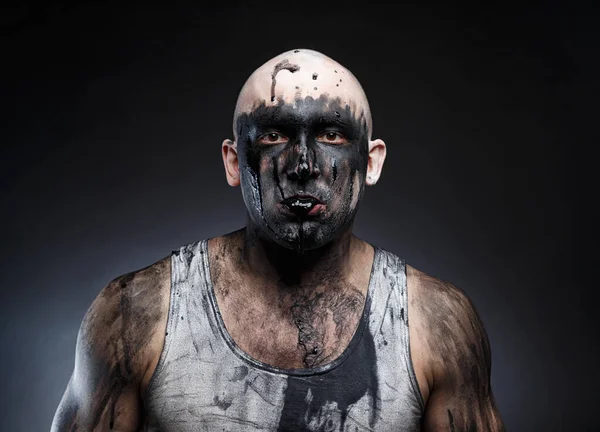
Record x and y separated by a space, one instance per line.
303 162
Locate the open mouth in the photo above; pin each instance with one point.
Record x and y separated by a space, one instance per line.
303 205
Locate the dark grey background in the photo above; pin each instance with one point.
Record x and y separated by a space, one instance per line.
113 116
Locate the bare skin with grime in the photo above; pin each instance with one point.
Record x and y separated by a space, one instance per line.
293 309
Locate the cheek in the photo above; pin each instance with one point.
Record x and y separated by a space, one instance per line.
266 167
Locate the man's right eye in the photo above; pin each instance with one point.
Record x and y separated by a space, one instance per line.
272 138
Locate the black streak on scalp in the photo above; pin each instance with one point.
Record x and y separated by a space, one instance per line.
283 64
343 385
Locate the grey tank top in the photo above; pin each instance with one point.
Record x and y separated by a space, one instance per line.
205 382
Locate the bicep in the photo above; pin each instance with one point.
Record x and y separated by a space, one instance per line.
102 394
459 355
461 409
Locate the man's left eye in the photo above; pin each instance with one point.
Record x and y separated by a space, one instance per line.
332 138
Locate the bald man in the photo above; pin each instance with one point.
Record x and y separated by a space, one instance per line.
291 323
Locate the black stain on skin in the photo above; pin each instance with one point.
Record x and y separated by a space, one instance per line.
309 399
334 169
315 75
276 177
301 122
456 339
451 421
310 312
283 64
112 346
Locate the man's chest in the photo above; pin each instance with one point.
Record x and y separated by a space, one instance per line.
294 329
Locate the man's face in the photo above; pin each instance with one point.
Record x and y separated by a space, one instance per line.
302 169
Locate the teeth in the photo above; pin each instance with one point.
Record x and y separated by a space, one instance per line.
298 203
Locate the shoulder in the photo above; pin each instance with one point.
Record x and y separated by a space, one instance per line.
432 296
118 346
126 321
445 329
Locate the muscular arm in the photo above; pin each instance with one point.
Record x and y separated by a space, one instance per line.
116 348
454 342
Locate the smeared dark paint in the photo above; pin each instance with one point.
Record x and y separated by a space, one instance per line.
223 403
451 421
344 385
239 373
120 344
301 121
334 169
283 64
456 338
276 177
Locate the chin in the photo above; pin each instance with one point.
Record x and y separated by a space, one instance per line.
309 235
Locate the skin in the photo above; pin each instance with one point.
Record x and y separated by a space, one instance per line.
290 286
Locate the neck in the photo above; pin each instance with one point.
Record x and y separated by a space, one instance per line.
291 267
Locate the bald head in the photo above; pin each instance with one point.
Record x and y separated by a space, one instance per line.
299 74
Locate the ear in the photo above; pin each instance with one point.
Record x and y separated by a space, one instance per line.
377 152
230 160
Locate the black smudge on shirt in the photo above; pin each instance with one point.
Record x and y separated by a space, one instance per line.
344 385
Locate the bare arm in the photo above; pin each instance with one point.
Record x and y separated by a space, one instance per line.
115 349
455 343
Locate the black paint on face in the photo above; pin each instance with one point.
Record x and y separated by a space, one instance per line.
302 164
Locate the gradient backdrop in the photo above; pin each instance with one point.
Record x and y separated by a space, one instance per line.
113 116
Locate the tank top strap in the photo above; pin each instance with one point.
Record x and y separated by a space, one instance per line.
388 286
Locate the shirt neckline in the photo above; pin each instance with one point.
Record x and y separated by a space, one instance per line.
234 347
